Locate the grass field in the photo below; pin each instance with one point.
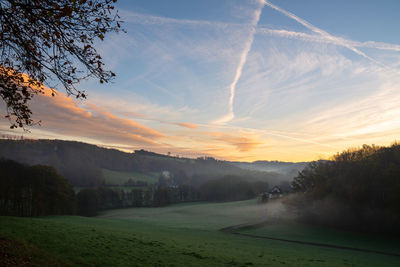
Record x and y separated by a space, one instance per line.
119 178
324 235
184 235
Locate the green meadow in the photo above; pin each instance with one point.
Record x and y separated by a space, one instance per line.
184 235
323 235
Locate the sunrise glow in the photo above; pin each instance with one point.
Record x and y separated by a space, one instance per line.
238 80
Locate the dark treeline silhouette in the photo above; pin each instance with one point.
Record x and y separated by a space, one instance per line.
168 191
231 188
358 189
175 189
39 190
33 190
91 200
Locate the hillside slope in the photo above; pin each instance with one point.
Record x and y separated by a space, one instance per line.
84 164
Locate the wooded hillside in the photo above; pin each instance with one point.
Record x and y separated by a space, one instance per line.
357 189
83 164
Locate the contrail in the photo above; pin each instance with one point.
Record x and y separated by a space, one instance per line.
239 69
321 39
321 32
146 19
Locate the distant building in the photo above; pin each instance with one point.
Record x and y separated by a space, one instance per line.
275 192
166 174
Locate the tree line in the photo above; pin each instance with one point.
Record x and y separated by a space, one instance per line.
39 190
358 189
169 191
33 190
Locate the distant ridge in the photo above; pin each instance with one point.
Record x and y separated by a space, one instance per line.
84 164
282 167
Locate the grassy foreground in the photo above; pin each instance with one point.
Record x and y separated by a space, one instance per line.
179 235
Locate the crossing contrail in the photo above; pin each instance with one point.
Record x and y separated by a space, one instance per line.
326 35
321 39
243 58
146 19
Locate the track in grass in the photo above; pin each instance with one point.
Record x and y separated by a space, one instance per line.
234 228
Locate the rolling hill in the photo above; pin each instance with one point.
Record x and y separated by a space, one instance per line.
89 165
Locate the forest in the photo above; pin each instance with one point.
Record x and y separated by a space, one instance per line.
34 191
39 190
359 189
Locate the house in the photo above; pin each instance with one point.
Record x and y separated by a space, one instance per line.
275 192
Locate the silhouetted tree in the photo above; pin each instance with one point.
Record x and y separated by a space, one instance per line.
137 197
162 197
88 202
109 198
148 196
359 188
33 191
227 188
46 40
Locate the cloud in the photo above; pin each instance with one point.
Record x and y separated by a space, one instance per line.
62 115
242 141
324 34
187 125
135 106
243 144
321 39
243 58
143 110
147 19
374 116
290 99
228 117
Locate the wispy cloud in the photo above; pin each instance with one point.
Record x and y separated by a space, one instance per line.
62 115
148 19
241 141
326 35
373 115
321 39
187 125
242 61
288 95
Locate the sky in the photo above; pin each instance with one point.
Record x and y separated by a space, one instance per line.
240 80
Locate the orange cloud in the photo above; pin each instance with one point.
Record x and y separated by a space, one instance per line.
241 142
65 117
187 125
62 115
